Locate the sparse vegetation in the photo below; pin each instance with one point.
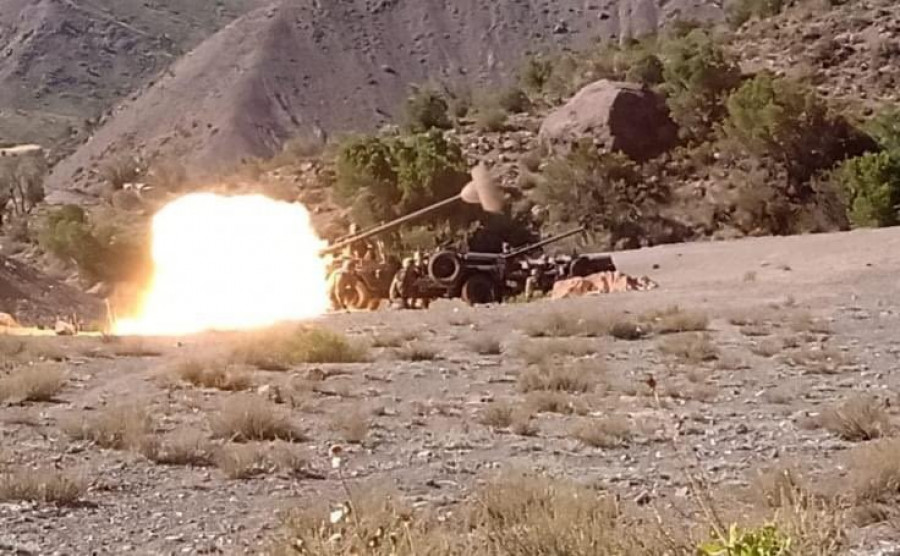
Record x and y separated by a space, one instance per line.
32 384
417 351
118 427
45 486
675 320
608 432
188 447
875 472
427 109
538 351
486 345
353 426
246 418
215 375
549 401
856 420
280 348
498 415
491 119
241 461
560 377
691 348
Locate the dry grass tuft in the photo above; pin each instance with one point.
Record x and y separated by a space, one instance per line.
116 428
566 325
32 384
818 360
245 418
417 351
675 320
241 461
280 348
353 426
540 351
690 348
394 340
804 322
626 329
858 419
777 487
486 345
609 432
190 448
497 415
874 472
547 401
46 486
205 374
770 347
134 347
288 459
575 379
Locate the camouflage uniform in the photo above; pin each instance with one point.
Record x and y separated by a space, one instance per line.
403 285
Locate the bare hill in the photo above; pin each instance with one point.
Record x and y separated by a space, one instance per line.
314 67
65 62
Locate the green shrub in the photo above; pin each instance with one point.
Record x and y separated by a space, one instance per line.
604 189
698 75
885 129
382 178
100 252
871 184
742 11
646 69
536 73
784 121
427 109
764 541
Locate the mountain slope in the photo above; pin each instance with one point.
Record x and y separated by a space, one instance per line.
298 67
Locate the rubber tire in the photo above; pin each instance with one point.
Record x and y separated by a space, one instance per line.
445 267
479 289
363 297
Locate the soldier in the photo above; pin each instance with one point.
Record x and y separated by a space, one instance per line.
344 281
403 284
532 282
358 250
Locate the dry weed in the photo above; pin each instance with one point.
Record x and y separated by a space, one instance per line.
241 461
608 432
858 419
497 415
134 347
352 426
539 351
546 401
280 348
486 345
575 379
818 360
290 460
417 352
245 418
675 320
394 340
117 428
207 374
46 486
183 448
806 323
874 472
32 384
566 325
770 347
690 348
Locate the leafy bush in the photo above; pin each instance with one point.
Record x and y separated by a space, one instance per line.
784 121
382 178
698 75
21 185
605 190
872 186
536 73
427 109
646 69
100 252
742 11
884 128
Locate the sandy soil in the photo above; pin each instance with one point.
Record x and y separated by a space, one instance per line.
742 413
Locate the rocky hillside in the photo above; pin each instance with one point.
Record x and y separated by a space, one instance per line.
64 63
309 67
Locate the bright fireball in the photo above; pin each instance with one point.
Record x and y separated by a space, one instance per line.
230 263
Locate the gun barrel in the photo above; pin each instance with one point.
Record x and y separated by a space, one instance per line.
333 249
534 247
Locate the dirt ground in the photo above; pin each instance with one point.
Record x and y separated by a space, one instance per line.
796 326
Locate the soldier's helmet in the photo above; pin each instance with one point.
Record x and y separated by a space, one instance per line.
407 262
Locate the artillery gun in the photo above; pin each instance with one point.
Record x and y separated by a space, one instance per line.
483 278
361 278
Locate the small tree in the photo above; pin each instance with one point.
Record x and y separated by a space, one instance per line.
885 129
427 109
786 122
536 73
605 191
21 185
646 69
871 184
698 76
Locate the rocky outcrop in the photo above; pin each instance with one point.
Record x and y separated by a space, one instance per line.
615 116
602 282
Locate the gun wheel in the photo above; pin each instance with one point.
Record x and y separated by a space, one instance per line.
479 289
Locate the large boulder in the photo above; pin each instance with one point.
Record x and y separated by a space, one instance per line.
615 116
